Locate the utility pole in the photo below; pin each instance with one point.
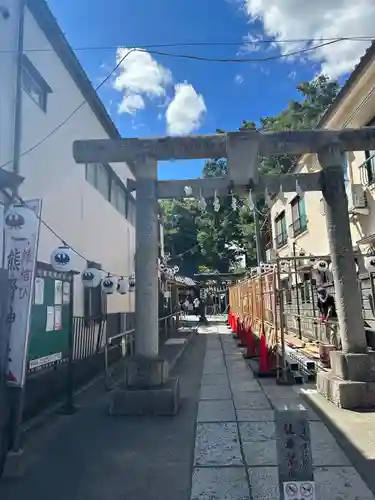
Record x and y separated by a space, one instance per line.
18 93
11 44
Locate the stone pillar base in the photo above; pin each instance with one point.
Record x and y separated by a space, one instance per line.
147 389
162 400
145 373
350 384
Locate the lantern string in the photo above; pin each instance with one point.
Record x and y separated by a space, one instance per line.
79 254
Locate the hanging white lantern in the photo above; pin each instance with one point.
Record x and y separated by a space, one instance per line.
91 277
62 259
369 262
122 286
131 284
310 262
321 266
18 221
169 273
109 284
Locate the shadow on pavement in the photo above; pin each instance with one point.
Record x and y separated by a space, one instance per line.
347 435
93 456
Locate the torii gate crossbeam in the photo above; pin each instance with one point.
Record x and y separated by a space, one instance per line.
243 149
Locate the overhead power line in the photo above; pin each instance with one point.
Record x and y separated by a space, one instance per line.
204 44
168 54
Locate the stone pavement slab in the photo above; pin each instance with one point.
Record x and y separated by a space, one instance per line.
220 484
217 445
264 483
248 432
251 401
213 380
216 411
91 456
215 392
257 431
340 483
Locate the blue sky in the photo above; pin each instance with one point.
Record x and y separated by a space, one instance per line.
221 95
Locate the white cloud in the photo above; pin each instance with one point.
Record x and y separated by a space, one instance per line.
131 103
238 79
186 110
300 19
139 76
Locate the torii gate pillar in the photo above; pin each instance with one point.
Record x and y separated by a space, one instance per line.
350 383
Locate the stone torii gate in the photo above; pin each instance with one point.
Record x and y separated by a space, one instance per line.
349 382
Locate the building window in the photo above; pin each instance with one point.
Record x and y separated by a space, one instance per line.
346 167
369 168
34 84
118 197
281 233
299 218
131 211
98 176
104 180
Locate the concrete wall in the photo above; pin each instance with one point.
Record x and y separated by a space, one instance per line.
71 206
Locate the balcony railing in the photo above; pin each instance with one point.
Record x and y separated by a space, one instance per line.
281 239
299 225
367 171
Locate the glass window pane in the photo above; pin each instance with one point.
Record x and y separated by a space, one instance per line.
302 208
114 193
103 181
121 201
283 225
91 173
33 89
295 213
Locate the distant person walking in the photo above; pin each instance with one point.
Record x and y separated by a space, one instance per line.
196 305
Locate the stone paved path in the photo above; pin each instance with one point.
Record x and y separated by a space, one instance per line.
236 444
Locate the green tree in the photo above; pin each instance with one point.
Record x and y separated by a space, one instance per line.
210 240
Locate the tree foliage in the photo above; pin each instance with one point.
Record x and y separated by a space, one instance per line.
208 240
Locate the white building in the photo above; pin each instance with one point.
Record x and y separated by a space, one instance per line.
88 206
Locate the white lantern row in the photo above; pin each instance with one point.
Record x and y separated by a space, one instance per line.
62 260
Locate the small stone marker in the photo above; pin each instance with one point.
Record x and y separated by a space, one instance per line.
294 454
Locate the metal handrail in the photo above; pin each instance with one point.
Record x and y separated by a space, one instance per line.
128 334
302 316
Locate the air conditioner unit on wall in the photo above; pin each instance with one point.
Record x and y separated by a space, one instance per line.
357 202
271 255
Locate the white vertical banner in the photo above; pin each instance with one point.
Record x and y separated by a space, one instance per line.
21 237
